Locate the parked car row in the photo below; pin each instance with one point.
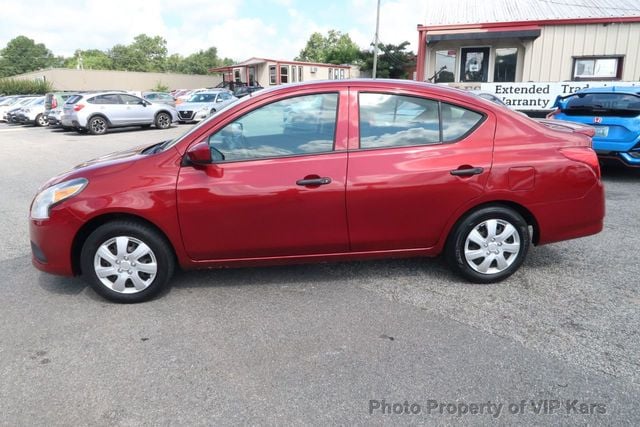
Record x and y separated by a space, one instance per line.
23 109
95 112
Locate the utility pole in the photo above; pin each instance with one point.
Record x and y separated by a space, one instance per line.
375 43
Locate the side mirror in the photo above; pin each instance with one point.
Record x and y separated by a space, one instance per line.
199 154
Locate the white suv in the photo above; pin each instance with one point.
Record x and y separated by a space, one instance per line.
97 112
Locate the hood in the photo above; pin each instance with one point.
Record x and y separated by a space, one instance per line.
194 106
104 165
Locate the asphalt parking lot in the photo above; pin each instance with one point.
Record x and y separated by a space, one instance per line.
318 344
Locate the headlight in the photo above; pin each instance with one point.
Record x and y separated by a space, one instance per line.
54 195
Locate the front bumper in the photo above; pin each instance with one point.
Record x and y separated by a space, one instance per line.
52 242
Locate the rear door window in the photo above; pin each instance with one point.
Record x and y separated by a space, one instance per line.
395 120
111 98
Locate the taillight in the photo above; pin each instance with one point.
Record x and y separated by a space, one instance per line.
54 103
78 107
583 155
552 115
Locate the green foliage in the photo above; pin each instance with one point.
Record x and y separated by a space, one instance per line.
22 55
160 87
393 61
145 53
91 59
335 48
24 87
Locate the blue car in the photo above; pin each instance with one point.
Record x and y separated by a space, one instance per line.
615 114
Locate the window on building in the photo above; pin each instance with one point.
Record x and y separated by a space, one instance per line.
284 74
236 75
445 66
252 76
504 69
300 73
294 73
302 125
272 75
597 68
342 73
330 73
474 64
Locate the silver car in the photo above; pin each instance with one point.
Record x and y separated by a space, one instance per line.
97 112
200 105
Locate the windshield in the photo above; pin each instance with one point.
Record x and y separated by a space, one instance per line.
611 104
9 101
202 97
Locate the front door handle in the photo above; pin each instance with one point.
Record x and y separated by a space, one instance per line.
312 182
467 171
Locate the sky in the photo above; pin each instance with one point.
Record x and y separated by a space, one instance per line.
239 29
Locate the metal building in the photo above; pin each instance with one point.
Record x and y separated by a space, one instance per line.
499 45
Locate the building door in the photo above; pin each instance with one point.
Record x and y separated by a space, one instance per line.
474 64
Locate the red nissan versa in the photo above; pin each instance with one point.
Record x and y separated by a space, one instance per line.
324 171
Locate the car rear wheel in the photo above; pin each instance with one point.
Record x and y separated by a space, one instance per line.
97 125
41 121
127 262
163 121
489 244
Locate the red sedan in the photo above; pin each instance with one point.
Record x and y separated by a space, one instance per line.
324 171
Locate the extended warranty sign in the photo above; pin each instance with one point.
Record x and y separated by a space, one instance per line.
490 408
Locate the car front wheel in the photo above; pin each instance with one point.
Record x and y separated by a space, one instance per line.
489 244
127 262
163 121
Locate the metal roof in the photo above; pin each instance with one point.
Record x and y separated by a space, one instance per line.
450 12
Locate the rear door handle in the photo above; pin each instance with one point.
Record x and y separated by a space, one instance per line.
467 171
310 182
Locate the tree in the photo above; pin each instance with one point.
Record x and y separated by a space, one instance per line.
144 54
22 55
335 48
202 61
393 61
92 59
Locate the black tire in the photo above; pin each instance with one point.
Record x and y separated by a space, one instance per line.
469 254
97 125
121 286
163 120
40 121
